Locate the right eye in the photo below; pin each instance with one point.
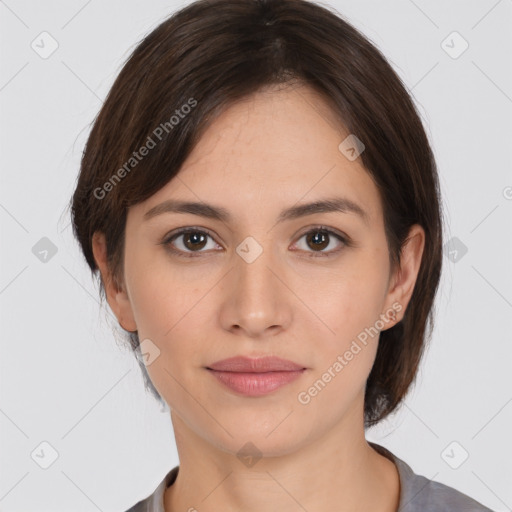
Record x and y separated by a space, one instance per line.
190 241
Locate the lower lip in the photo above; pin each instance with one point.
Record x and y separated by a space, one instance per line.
256 384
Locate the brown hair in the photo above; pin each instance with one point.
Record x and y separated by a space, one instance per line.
212 53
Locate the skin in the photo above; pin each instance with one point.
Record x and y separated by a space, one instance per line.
268 152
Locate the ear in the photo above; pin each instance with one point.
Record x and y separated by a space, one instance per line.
117 298
401 284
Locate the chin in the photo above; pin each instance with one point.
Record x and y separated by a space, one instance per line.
265 440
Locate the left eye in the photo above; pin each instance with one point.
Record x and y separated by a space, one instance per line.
320 239
194 240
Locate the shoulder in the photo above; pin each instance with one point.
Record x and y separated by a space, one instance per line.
149 504
418 493
429 496
155 501
140 506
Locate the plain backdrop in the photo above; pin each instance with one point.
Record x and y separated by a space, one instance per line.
67 381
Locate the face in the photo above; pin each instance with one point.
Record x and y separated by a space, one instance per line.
314 289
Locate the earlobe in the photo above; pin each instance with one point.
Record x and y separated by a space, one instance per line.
404 280
117 297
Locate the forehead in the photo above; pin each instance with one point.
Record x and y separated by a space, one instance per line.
279 147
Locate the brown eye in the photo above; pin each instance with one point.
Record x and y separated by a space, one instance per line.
189 241
319 239
194 240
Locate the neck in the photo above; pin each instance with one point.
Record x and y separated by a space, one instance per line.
338 471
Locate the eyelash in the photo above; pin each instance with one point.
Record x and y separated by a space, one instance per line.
312 254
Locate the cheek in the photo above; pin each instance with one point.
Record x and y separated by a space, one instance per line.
160 296
170 309
351 299
350 305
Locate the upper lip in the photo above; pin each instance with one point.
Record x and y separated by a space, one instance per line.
255 365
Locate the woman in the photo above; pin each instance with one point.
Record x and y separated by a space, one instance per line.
260 198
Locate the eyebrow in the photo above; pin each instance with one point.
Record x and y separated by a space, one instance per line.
334 204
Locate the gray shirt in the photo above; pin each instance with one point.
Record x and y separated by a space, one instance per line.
417 493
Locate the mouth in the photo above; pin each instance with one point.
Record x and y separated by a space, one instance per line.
255 377
255 365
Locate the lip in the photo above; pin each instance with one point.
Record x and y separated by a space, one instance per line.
255 365
255 377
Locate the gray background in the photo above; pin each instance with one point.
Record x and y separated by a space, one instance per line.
65 378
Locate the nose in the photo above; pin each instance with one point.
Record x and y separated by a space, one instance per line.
257 298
